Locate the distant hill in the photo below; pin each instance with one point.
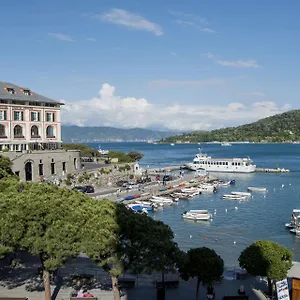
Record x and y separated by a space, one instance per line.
76 134
278 128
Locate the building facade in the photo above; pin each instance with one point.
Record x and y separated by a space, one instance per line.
30 134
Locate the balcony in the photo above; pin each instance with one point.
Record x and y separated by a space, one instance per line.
19 136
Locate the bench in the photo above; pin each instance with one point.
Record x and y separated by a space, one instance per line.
242 297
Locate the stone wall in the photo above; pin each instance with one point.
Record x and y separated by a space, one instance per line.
103 177
48 165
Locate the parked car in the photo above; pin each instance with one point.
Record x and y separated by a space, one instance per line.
81 189
84 189
144 180
120 183
89 189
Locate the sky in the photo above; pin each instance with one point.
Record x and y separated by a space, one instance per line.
169 65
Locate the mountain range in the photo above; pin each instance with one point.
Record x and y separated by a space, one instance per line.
76 134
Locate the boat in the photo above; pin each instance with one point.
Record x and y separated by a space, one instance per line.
247 194
228 165
294 219
172 144
233 197
226 144
257 189
206 187
102 151
197 215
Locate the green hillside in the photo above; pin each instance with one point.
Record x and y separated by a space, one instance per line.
278 128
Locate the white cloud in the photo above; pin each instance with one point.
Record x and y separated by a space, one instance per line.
191 20
91 39
129 20
108 109
61 37
238 63
233 63
195 25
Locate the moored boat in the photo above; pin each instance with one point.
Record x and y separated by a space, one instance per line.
197 215
247 194
233 197
229 165
257 189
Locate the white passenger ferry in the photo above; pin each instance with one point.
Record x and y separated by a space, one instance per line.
230 165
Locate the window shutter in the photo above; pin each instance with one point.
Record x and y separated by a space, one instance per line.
38 116
22 116
53 115
32 116
4 115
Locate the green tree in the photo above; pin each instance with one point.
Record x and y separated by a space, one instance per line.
204 264
46 221
268 259
135 155
138 243
5 168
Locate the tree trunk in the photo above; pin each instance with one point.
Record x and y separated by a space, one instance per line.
197 291
46 278
116 292
270 287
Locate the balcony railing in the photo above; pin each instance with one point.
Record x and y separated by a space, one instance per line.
19 136
35 136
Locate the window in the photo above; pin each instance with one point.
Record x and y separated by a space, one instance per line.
2 115
50 117
27 92
18 131
2 131
50 132
35 116
18 116
64 166
34 131
11 91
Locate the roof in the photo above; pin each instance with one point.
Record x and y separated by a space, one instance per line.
20 96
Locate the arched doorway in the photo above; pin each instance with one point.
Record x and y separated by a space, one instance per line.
28 171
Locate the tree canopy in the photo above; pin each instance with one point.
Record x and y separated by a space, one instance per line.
140 244
204 264
277 128
49 222
135 155
5 168
268 259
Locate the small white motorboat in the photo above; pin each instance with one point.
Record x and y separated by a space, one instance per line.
233 197
197 215
257 189
294 219
247 194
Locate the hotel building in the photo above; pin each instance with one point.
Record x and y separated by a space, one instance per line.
30 134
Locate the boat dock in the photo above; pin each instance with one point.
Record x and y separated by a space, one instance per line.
270 170
182 167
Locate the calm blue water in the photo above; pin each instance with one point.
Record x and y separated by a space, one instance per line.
262 217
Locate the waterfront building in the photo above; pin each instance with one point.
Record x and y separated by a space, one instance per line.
30 134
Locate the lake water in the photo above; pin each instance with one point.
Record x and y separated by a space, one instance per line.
261 217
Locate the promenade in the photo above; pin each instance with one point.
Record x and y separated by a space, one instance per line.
24 282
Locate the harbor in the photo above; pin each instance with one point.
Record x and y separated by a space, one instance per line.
262 216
